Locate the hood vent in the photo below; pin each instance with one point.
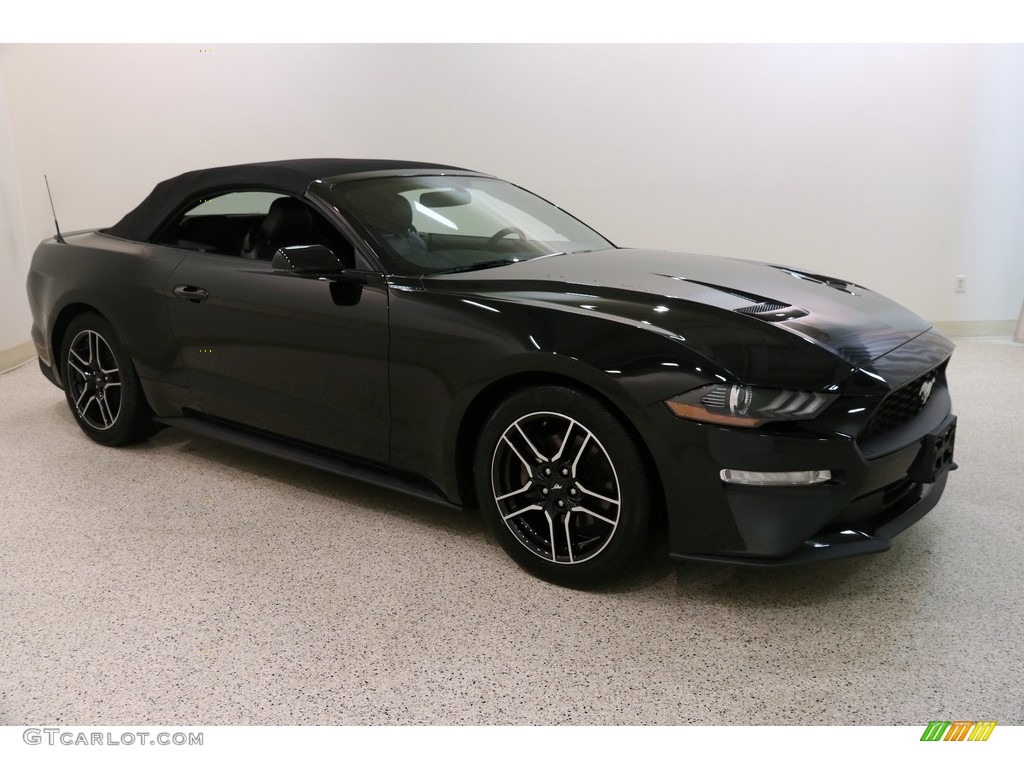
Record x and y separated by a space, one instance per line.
763 307
772 311
840 285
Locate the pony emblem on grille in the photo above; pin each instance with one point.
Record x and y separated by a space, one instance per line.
926 390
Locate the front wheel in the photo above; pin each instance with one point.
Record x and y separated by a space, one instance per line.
562 486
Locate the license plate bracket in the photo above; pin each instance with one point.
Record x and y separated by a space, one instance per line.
936 455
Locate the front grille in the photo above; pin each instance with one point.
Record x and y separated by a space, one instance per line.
900 406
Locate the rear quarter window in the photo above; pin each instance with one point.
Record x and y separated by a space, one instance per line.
235 203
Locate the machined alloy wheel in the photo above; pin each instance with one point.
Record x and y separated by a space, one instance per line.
562 485
556 487
100 383
94 380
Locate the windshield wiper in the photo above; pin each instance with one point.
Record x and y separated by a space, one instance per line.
562 253
479 265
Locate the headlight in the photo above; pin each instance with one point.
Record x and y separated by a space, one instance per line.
740 406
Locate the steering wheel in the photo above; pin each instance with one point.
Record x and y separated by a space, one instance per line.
501 234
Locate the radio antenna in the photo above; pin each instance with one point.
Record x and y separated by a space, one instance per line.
60 237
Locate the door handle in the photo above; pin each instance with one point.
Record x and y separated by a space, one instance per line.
191 293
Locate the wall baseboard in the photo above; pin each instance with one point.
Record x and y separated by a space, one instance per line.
976 327
15 356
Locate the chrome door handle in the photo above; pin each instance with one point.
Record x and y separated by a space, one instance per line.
191 293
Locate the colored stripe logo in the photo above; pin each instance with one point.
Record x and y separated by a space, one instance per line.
958 730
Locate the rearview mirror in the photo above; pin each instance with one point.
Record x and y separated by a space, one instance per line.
445 198
306 258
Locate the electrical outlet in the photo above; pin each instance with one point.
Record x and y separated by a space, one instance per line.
960 284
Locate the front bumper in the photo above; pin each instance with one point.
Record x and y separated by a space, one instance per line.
874 535
874 495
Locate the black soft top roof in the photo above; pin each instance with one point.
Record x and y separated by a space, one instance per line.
289 176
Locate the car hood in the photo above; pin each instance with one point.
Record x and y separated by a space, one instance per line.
662 289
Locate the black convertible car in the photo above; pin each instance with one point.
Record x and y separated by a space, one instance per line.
451 335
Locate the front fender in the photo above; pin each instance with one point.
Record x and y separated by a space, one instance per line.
447 352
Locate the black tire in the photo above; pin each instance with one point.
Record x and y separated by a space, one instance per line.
562 486
100 383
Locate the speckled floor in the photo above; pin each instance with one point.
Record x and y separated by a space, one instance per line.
188 581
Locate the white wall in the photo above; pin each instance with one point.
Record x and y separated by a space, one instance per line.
15 321
992 246
896 166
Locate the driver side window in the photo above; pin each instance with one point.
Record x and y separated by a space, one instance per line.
253 224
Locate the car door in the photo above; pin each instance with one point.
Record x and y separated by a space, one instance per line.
285 353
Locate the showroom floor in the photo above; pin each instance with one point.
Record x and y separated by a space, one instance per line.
186 581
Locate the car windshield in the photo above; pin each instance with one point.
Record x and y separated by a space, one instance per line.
437 224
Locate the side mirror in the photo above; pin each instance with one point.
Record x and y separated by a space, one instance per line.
306 258
320 261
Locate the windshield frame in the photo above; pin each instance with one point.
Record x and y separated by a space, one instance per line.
333 191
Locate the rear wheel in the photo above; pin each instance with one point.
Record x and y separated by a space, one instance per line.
562 486
100 383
